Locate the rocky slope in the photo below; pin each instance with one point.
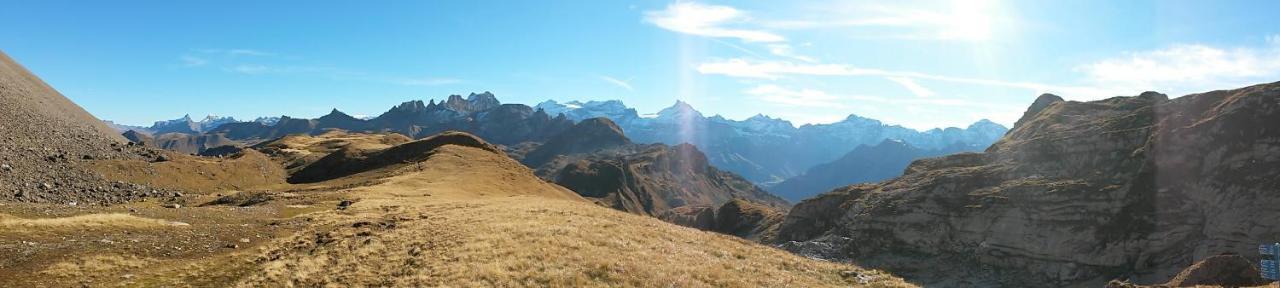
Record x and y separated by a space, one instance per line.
597 161
1078 192
867 163
46 141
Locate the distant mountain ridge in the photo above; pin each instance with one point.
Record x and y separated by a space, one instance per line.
762 149
751 147
865 164
184 125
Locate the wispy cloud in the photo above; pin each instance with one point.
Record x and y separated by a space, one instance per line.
192 61
912 86
248 52
743 68
708 20
969 20
791 97
252 69
1188 67
234 52
624 84
429 81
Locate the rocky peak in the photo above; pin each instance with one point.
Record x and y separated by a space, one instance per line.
1041 102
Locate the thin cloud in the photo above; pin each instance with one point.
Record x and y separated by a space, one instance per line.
791 97
251 69
192 61
616 82
248 52
1186 68
912 86
742 68
960 20
709 21
428 81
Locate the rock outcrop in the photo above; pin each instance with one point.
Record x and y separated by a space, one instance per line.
1078 192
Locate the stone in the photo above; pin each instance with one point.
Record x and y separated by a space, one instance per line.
171 205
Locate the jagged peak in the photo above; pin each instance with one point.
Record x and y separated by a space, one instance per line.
486 95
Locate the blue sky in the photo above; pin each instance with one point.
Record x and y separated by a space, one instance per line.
921 64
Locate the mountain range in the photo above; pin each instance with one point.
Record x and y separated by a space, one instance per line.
746 147
865 164
750 147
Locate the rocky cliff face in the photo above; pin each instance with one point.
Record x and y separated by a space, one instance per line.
1078 192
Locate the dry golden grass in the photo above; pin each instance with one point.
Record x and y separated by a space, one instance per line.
533 241
472 218
466 217
115 220
94 265
197 174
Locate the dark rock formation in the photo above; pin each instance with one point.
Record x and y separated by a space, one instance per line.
1078 191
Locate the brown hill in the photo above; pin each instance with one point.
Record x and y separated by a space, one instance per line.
585 137
44 141
1076 193
351 160
191 144
297 151
651 179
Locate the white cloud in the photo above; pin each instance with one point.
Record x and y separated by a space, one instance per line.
751 69
620 83
912 86
429 81
1186 68
191 61
236 52
969 20
252 69
802 97
247 52
785 50
709 21
777 69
